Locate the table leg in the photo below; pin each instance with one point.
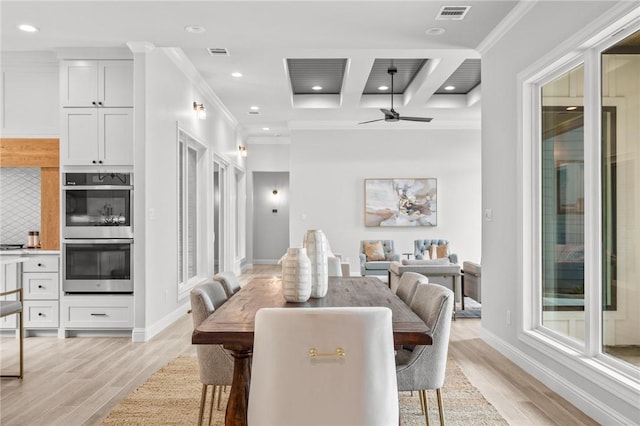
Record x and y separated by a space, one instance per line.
236 414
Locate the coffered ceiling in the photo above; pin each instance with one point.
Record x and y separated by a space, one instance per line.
285 48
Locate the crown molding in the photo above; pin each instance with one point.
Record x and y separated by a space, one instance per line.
512 18
140 46
177 56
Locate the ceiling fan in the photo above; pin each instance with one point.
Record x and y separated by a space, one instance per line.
392 114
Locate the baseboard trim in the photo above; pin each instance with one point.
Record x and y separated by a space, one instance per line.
586 402
144 334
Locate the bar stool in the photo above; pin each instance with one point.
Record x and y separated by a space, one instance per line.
10 307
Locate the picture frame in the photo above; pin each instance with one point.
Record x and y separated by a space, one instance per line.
407 202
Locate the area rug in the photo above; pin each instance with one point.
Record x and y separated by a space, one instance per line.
171 396
472 309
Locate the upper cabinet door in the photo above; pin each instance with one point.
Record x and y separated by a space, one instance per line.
92 83
79 83
115 83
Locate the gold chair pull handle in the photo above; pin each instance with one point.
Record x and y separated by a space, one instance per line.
339 353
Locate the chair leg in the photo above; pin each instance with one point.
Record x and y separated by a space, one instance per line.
203 397
440 410
213 398
423 393
220 390
21 342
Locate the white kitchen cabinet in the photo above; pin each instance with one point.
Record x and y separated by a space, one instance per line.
97 312
96 83
9 281
97 136
40 286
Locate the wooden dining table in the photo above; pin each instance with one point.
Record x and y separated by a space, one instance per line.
232 325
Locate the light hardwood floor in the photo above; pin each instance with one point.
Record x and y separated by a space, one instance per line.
77 381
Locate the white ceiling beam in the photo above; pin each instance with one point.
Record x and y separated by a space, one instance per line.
433 75
355 79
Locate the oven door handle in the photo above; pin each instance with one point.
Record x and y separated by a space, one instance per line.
97 187
100 241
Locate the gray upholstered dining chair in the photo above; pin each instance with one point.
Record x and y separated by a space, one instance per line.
229 281
15 307
424 366
214 362
407 285
313 366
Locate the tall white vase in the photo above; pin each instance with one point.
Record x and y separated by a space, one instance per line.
296 275
317 249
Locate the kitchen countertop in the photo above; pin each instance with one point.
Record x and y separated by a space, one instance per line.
27 252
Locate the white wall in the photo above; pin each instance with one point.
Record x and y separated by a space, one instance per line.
328 169
168 100
29 94
543 29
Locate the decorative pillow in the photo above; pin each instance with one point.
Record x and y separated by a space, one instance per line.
438 252
374 251
415 262
426 254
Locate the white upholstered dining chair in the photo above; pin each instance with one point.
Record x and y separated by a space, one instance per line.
214 362
423 367
323 366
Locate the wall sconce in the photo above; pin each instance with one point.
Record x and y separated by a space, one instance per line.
275 192
200 110
243 150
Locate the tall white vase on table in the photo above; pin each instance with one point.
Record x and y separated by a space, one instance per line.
296 275
317 249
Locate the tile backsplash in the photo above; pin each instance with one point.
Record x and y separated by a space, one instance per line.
19 203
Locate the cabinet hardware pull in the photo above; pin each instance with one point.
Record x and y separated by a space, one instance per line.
40 314
40 286
39 264
93 103
99 161
98 315
94 161
100 103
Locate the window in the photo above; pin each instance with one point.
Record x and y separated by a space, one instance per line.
562 203
584 200
190 216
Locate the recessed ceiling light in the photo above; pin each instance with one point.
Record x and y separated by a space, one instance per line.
254 108
571 108
383 88
449 87
436 31
317 88
265 129
194 29
28 28
236 74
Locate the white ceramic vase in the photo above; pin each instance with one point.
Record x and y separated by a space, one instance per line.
317 249
296 275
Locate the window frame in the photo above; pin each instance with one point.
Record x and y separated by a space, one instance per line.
586 359
185 140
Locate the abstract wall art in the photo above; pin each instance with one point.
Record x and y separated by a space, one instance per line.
401 202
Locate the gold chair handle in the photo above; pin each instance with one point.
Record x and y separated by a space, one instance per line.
339 353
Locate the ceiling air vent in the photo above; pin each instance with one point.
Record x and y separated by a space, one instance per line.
454 13
217 51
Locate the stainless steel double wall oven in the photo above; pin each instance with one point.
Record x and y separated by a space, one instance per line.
97 233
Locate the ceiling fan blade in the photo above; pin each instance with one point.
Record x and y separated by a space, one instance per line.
386 111
423 119
371 121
